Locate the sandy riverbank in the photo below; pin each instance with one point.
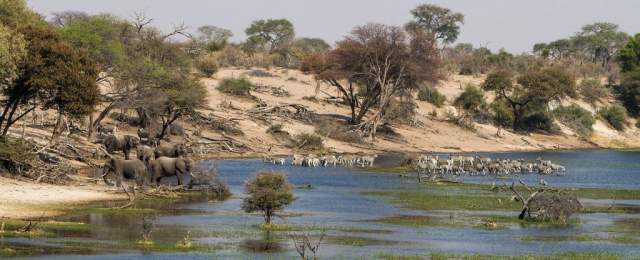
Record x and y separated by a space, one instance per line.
24 199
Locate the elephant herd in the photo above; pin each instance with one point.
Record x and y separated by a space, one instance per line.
150 164
313 160
475 165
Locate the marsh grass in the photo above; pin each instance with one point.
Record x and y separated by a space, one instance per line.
421 221
452 201
358 241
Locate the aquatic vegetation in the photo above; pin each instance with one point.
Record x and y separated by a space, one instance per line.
420 221
358 241
431 201
16 228
560 256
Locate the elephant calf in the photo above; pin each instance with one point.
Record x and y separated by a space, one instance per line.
125 144
168 167
174 151
145 153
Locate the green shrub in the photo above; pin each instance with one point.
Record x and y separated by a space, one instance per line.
615 115
502 114
401 111
593 91
576 118
14 155
431 95
471 100
308 142
207 66
539 121
235 87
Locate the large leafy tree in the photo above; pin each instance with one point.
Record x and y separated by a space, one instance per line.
156 80
211 38
374 64
272 35
16 13
600 41
531 91
101 35
443 23
53 75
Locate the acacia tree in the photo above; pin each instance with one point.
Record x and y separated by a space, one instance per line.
211 38
271 35
533 90
443 23
268 193
374 64
601 41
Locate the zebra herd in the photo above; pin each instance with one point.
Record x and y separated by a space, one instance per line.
312 160
475 165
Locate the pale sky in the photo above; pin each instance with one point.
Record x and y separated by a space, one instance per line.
513 24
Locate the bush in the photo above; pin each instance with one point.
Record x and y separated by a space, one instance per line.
431 95
576 118
615 115
471 100
235 87
337 131
629 92
401 111
207 66
502 114
593 91
268 193
308 142
539 121
14 156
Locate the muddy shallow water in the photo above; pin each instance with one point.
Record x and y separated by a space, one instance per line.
335 203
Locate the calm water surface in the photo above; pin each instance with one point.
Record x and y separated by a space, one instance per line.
335 202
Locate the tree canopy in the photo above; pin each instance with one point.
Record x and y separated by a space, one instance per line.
629 56
271 34
373 64
443 23
269 192
532 91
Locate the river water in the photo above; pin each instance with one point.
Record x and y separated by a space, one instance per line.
335 203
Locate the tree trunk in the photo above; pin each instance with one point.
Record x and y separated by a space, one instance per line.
57 129
102 116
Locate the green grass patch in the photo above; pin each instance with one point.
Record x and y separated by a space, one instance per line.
432 201
358 241
420 221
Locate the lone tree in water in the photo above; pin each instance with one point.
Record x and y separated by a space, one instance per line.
268 192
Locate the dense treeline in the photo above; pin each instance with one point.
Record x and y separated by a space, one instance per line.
86 66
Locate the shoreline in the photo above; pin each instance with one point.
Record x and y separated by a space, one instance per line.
23 199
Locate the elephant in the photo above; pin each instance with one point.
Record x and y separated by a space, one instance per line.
174 151
145 153
125 144
125 170
167 167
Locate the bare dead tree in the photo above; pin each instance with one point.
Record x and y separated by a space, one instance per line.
307 248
